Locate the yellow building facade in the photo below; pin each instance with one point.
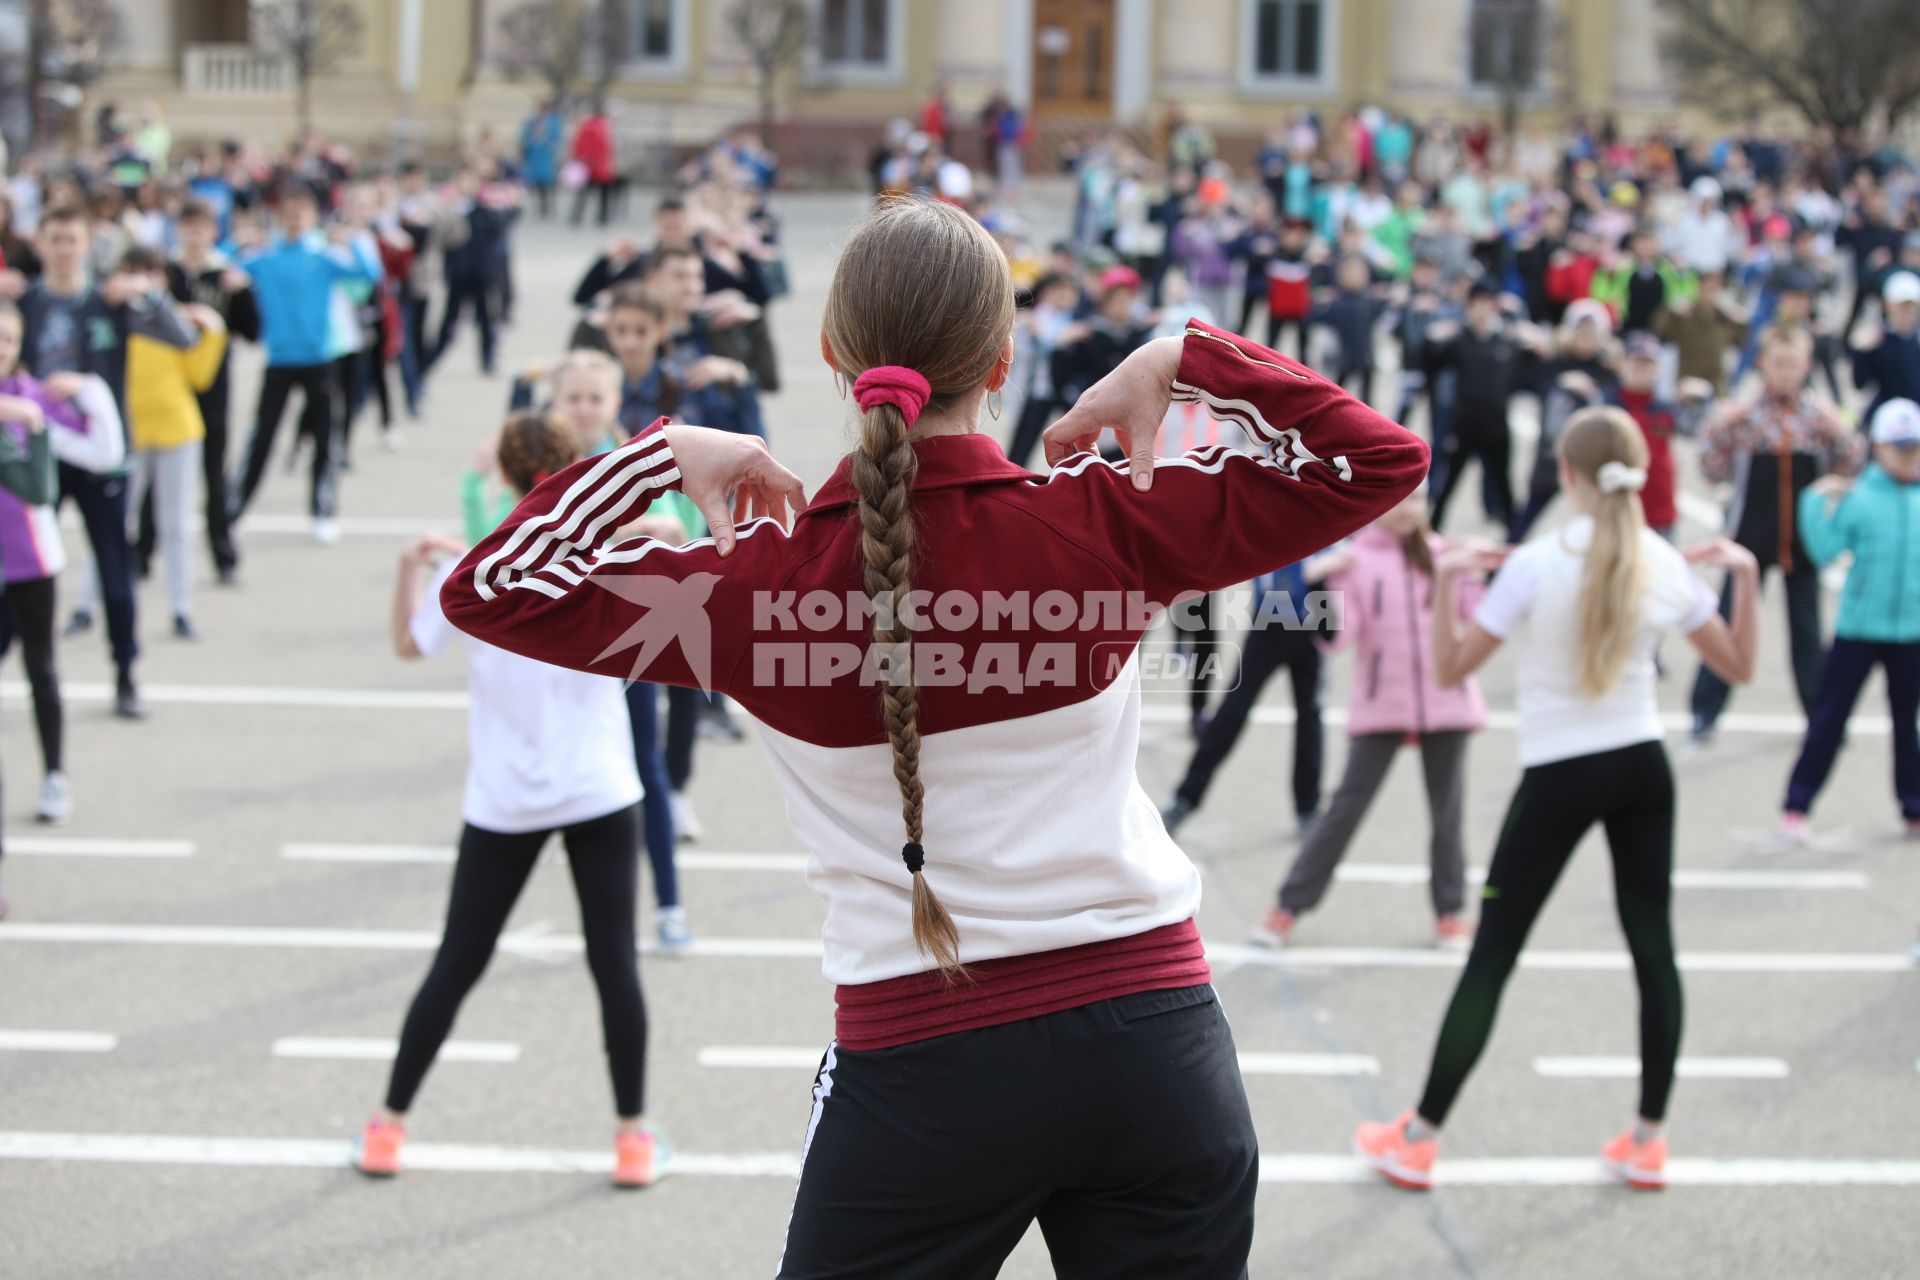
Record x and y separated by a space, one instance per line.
429 72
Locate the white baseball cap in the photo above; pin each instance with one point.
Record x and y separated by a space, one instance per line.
1705 188
1901 286
1897 422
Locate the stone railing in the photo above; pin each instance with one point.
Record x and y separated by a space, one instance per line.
233 68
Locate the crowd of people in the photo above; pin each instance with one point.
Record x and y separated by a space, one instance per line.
1758 298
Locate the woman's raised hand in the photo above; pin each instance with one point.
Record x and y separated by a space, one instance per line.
1132 401
731 477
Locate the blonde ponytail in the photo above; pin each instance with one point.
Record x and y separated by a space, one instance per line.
1604 446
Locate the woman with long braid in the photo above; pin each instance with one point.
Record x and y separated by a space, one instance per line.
1025 1026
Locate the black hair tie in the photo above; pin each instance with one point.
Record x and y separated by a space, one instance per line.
915 856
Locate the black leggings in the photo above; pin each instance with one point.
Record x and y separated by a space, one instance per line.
487 877
29 616
1629 791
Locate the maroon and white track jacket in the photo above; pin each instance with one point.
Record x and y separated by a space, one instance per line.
1038 837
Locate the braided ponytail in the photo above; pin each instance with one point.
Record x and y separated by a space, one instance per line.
884 466
920 308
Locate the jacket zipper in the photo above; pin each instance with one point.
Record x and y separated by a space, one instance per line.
1419 675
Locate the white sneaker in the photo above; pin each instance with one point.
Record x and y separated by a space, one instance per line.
675 937
326 530
686 823
390 440
56 800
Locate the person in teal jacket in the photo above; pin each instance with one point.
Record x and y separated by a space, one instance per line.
1878 520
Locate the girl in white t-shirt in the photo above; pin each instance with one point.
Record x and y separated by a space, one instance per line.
1584 607
549 752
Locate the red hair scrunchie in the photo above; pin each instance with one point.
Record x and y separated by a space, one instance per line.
896 385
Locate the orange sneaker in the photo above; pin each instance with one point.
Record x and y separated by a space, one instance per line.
376 1152
1276 930
1384 1148
633 1159
1451 933
1641 1165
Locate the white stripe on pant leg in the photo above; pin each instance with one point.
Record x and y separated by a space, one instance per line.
822 1090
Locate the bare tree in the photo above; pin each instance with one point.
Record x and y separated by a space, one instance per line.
775 35
545 39
313 37
1849 65
69 44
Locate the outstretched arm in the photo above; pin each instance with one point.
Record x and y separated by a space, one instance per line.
1324 464
556 581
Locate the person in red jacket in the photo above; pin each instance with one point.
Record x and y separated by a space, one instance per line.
593 150
942 656
1571 268
1639 375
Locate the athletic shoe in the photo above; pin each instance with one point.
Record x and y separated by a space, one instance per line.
1307 821
1385 1149
686 823
56 800
1913 828
1794 828
229 575
183 628
326 530
717 723
1451 933
126 700
1275 931
376 1152
79 622
675 938
1178 810
634 1163
1641 1165
390 440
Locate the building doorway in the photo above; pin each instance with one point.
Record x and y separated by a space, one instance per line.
1073 44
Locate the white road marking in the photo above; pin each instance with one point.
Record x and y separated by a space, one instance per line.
343 699
751 1057
1757 722
1625 1068
57 1041
350 526
810 949
800 1058
340 1047
222 695
368 852
420 1157
91 847
685 859
1415 874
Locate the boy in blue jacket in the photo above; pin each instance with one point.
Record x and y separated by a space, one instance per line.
1878 520
293 282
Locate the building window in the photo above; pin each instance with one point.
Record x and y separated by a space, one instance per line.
1287 45
855 33
860 41
654 35
653 31
1504 39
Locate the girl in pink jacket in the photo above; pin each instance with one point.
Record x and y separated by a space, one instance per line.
1383 581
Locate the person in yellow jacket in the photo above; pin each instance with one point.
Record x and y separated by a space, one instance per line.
165 431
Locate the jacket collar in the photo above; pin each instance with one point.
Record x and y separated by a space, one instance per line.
946 462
